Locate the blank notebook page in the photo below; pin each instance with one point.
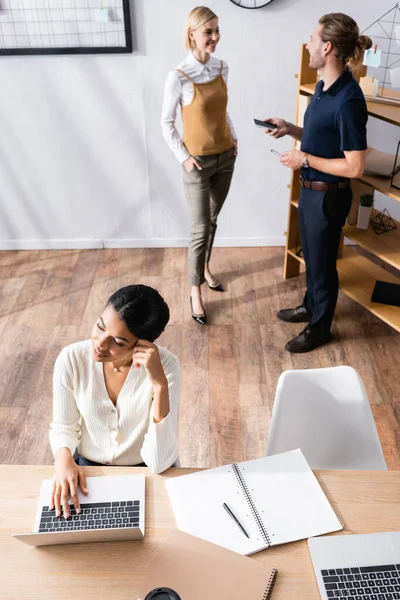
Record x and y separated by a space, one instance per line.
197 501
288 497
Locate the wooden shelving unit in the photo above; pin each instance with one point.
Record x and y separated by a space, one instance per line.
385 246
357 274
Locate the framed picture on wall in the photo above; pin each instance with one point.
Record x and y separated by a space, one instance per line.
73 27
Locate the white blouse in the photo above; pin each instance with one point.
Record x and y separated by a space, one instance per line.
84 417
179 90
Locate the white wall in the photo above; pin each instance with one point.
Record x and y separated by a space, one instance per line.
82 159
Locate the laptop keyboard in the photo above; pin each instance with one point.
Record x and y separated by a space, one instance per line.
97 515
363 583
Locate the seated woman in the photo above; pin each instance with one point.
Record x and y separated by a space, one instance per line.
116 395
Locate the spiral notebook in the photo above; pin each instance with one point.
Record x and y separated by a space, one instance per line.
196 570
276 499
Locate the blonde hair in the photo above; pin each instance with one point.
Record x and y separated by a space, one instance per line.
344 35
197 17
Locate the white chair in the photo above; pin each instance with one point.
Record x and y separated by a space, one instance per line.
326 413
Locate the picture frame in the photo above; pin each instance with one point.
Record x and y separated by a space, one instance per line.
82 33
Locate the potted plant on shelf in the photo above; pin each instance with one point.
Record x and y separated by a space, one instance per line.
364 210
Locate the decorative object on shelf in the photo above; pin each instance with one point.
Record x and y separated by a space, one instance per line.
395 181
251 3
369 86
372 57
383 222
358 188
385 34
364 210
386 292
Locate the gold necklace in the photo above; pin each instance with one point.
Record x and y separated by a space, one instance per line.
121 368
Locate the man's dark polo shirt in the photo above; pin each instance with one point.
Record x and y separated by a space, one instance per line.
335 121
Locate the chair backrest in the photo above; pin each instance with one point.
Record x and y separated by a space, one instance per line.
326 413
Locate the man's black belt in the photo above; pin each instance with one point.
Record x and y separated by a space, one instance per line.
324 186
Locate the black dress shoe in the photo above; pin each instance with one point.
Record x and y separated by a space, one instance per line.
295 315
202 319
308 340
216 287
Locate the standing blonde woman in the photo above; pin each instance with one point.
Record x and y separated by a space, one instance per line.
208 149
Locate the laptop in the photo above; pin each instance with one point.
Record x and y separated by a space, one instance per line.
112 511
357 567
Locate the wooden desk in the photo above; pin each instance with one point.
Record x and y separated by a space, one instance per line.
364 501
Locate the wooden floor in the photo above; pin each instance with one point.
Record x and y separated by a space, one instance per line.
49 299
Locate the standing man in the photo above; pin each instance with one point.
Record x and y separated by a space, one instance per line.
333 151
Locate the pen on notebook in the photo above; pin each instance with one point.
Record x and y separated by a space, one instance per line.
230 513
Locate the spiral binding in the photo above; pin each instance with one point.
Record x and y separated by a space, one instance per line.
271 583
253 508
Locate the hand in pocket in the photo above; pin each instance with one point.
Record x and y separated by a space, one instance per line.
190 163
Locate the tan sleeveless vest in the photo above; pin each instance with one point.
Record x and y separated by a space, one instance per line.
205 127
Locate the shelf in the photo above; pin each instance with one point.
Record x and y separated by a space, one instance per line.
308 88
385 245
357 277
385 112
381 184
292 252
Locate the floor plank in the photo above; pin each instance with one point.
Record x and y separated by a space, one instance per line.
33 437
152 262
7 261
269 301
101 290
388 428
108 264
255 423
66 263
172 282
19 361
219 305
250 352
10 426
194 408
352 326
37 339
225 416
81 283
129 265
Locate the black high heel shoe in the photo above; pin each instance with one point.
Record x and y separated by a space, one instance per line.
202 319
216 287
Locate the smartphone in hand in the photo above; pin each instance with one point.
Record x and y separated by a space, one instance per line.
264 124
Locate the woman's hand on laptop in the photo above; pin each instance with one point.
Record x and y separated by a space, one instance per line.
67 477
